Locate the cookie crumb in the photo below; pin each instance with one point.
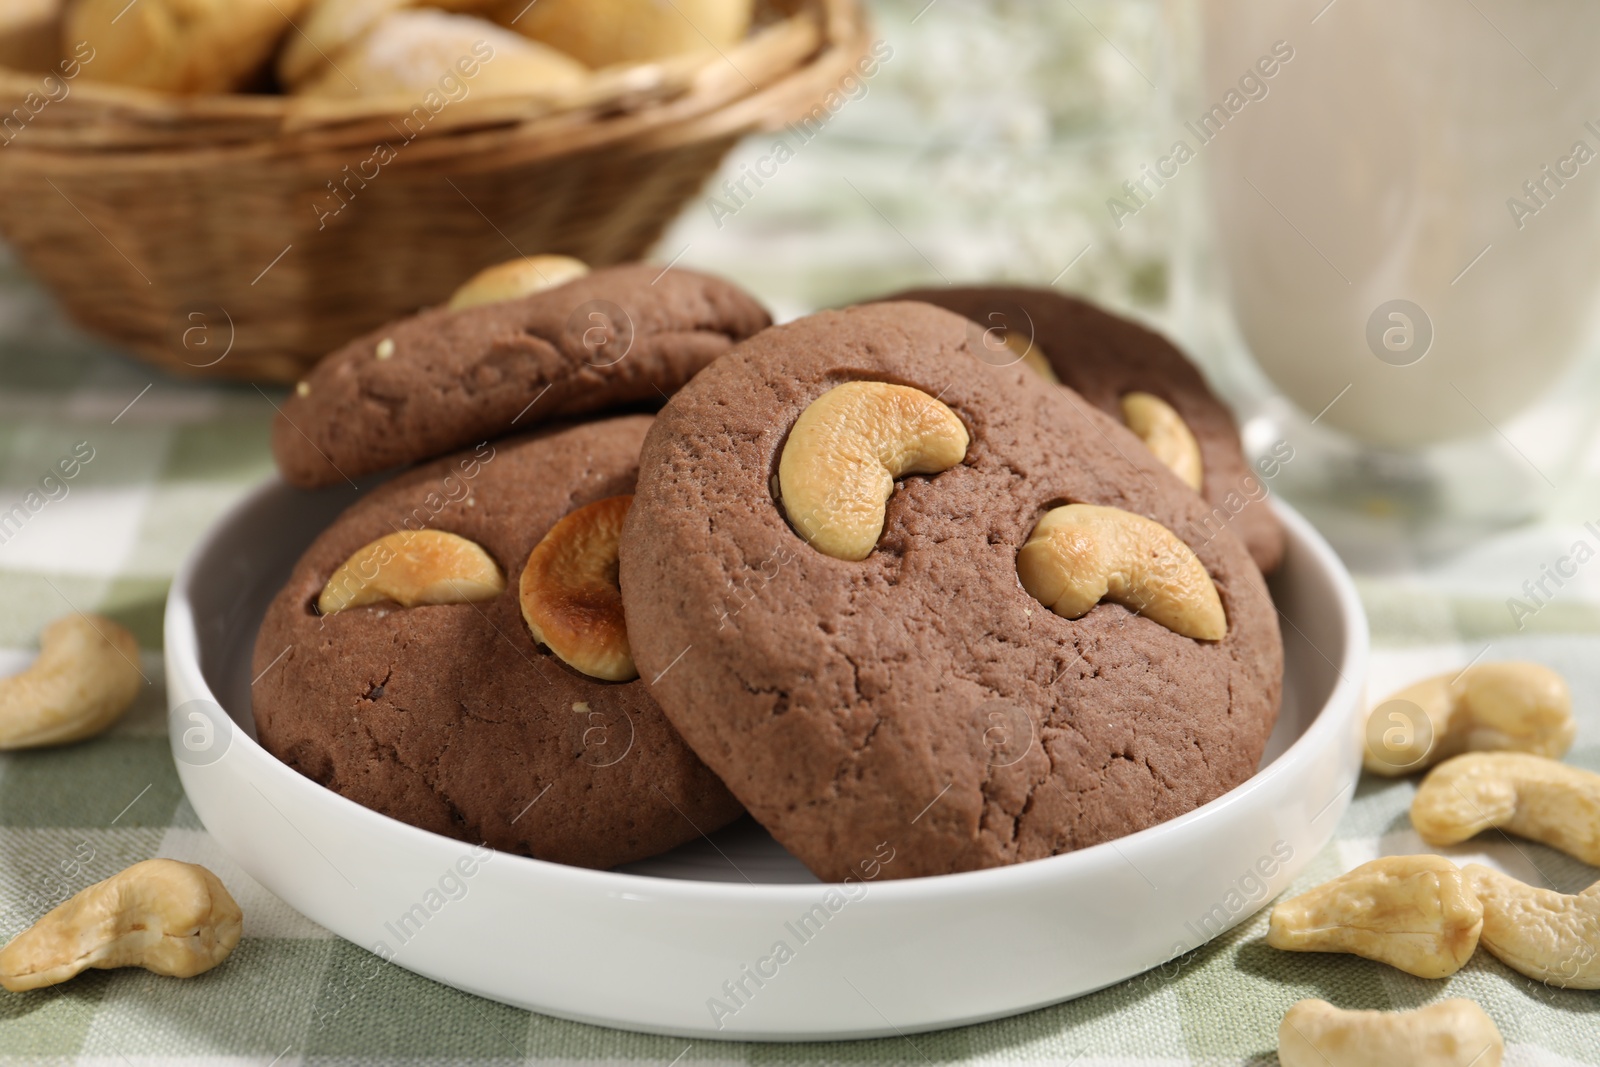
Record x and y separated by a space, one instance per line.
386 348
302 388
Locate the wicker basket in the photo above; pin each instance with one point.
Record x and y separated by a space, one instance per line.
186 227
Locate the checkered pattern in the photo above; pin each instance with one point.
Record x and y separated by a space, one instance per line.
168 458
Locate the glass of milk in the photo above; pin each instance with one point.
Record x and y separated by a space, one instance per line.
1404 200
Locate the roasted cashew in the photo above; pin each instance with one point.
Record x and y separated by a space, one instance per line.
1451 1033
1416 913
1033 356
516 278
570 597
1514 706
1549 936
845 452
1081 554
1165 434
168 917
85 677
412 567
1531 796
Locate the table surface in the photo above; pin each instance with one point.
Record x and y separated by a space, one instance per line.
1002 184
168 457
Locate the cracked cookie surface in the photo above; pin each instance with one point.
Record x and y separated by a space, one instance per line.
443 380
921 696
1103 358
449 716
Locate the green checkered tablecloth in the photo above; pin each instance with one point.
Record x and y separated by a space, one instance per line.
162 459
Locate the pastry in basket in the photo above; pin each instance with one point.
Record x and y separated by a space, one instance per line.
181 46
1139 378
417 52
604 32
30 34
399 667
901 598
331 26
445 379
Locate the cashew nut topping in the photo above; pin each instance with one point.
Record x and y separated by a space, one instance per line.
1532 796
1164 433
168 917
570 596
1081 554
517 277
845 452
1416 913
1549 936
1451 1033
85 677
412 567
1514 706
1033 356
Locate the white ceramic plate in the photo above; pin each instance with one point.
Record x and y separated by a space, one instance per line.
689 943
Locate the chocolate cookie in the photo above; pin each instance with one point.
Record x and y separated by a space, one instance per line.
449 716
1105 357
920 699
443 379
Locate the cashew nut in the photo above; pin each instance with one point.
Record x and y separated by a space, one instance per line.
1514 706
1549 936
1532 796
515 278
1081 554
85 677
1416 913
412 567
1033 356
168 917
845 452
1164 433
570 596
1451 1033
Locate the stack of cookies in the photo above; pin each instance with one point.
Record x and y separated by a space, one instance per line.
961 574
